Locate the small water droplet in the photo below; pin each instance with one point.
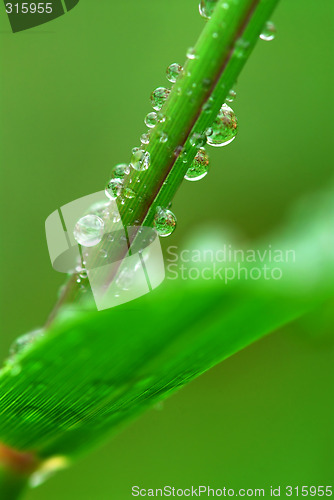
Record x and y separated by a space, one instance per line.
191 53
197 140
145 138
159 97
120 171
206 8
140 159
178 151
206 82
231 96
173 71
224 128
151 119
129 193
163 137
164 222
103 253
199 167
89 230
268 32
114 188
161 117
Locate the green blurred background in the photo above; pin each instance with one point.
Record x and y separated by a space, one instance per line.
74 93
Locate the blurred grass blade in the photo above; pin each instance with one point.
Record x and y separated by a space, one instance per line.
94 371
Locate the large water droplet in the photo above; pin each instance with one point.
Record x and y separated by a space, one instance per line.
268 32
114 188
140 159
151 119
159 97
89 230
206 8
173 71
224 128
199 167
164 222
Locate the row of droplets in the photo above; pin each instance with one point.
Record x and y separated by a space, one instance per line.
206 8
90 229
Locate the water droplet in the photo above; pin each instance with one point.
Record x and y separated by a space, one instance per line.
178 151
191 53
145 138
114 188
120 171
24 342
89 230
100 208
173 71
129 193
199 167
197 140
206 8
268 32
231 96
164 222
159 97
163 137
206 82
151 119
161 117
224 128
103 253
140 159
241 48
207 106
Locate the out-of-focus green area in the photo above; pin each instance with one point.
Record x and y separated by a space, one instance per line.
74 94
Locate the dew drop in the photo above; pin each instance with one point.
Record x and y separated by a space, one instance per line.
140 159
198 140
224 128
199 167
164 222
173 71
120 171
151 119
159 97
129 193
206 8
114 188
89 230
163 137
231 96
145 138
191 53
268 32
